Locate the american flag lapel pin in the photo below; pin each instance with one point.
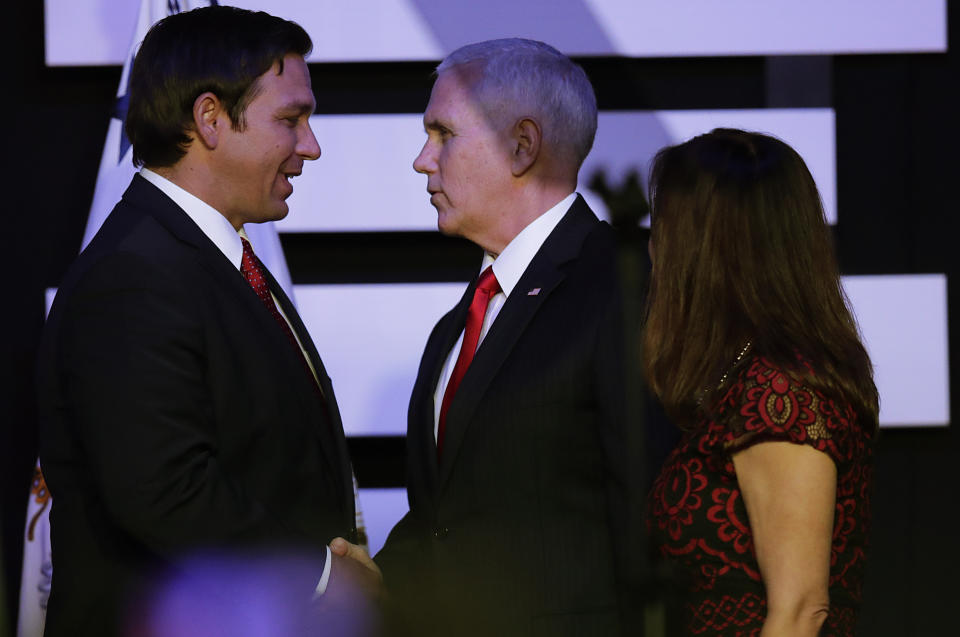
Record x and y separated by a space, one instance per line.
533 292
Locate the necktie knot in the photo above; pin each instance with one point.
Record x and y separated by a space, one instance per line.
249 266
487 283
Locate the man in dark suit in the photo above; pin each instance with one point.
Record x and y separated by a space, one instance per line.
185 407
521 472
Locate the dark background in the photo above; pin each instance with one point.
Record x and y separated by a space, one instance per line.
897 146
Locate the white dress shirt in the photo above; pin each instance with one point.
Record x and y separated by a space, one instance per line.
223 235
508 267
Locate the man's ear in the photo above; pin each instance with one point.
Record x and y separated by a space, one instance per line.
526 139
208 119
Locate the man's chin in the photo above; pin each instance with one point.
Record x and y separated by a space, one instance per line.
277 212
447 225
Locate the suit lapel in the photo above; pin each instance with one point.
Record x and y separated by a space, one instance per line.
332 436
545 272
438 348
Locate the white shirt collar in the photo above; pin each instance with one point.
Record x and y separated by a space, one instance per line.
510 265
211 223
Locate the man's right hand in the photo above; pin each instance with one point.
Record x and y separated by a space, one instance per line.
342 547
355 580
354 565
350 605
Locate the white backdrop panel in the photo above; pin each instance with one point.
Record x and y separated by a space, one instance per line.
357 30
84 32
371 338
364 181
653 28
903 320
628 140
382 509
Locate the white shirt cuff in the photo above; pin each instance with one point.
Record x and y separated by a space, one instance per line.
324 577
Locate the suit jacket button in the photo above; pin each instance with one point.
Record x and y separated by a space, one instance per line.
440 532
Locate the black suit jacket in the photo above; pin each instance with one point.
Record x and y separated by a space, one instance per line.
176 416
526 525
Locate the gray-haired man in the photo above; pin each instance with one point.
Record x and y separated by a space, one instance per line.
520 472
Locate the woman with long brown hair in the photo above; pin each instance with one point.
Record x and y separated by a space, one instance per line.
751 347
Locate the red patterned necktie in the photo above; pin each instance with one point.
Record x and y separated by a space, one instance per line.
253 273
487 288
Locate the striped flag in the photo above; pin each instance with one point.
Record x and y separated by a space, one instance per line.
37 564
113 177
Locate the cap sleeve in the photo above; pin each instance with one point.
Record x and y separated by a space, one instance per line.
774 405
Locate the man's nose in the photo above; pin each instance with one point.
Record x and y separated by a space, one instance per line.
425 163
307 146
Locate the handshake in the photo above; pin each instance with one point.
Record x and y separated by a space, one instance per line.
351 604
353 575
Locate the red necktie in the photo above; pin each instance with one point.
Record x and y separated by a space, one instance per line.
487 287
252 272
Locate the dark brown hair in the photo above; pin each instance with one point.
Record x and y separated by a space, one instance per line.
742 253
219 49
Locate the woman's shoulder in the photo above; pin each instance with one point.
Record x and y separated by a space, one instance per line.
770 401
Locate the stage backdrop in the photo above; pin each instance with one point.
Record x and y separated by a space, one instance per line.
364 194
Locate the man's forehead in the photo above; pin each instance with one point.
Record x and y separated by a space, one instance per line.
453 89
461 101
291 66
465 78
291 85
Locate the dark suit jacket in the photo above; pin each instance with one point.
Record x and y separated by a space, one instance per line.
176 416
526 526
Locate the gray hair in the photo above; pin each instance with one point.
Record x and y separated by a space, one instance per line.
525 77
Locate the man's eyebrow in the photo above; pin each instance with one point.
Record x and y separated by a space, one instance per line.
434 124
299 107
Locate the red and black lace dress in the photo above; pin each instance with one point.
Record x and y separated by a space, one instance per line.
699 522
